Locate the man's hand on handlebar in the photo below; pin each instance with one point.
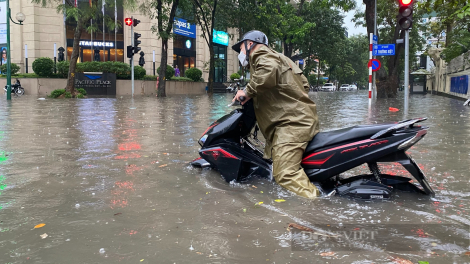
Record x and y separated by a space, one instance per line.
241 95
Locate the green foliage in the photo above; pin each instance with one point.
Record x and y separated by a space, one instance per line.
68 95
121 69
235 76
80 95
170 72
43 66
194 74
150 77
63 69
56 93
139 72
82 91
181 79
14 68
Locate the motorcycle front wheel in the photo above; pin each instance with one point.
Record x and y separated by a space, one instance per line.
19 91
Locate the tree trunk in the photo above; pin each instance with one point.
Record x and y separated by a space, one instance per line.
288 50
211 67
370 10
73 59
161 73
318 72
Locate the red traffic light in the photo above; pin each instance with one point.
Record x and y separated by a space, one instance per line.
128 21
405 2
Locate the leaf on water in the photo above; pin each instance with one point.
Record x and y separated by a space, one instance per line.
40 225
423 262
244 210
164 165
327 254
401 261
467 253
259 203
300 227
43 235
254 186
261 191
141 260
279 200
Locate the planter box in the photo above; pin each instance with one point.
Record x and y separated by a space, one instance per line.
175 87
44 86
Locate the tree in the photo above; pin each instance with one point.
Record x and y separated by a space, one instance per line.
81 14
388 32
207 17
164 11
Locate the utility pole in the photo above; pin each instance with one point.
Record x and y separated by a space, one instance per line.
374 74
132 58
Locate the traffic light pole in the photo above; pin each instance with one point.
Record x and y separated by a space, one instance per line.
8 53
407 66
132 58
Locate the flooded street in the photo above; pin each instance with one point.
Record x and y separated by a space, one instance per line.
111 181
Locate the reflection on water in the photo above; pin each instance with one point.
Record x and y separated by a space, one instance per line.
111 181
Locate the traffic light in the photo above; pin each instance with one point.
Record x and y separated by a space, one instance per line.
136 22
405 14
128 21
130 52
137 42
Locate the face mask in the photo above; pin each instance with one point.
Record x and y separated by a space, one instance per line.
242 59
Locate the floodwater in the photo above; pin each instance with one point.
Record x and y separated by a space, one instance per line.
109 178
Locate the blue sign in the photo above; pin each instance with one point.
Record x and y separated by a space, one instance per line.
384 50
374 40
183 28
301 61
220 37
375 65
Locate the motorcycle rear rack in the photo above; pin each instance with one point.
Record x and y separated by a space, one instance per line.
400 125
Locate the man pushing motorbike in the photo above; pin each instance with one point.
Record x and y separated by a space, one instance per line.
286 116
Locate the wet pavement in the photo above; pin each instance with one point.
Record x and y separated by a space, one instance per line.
110 180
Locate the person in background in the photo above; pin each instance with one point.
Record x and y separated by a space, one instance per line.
4 56
177 71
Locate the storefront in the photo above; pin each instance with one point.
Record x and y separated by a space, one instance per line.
110 50
108 54
184 45
220 40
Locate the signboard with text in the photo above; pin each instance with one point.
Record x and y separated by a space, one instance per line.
383 50
96 83
220 37
184 28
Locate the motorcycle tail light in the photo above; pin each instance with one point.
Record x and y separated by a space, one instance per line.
407 144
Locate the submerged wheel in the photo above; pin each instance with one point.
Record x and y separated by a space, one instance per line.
19 91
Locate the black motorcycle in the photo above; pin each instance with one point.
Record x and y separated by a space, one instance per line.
16 88
230 145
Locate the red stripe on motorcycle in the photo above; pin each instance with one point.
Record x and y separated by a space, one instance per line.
213 125
317 162
335 148
215 153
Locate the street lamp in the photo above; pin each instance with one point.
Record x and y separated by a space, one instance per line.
21 18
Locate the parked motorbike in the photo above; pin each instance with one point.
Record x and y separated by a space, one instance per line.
16 88
230 145
233 87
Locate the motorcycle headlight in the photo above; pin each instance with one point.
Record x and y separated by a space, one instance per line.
202 140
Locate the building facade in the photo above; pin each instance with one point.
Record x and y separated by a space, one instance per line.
44 27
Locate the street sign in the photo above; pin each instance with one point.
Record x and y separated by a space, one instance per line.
375 40
375 64
383 50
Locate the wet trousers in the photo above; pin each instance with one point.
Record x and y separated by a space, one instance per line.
287 170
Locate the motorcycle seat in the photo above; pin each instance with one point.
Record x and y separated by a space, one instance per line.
329 138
